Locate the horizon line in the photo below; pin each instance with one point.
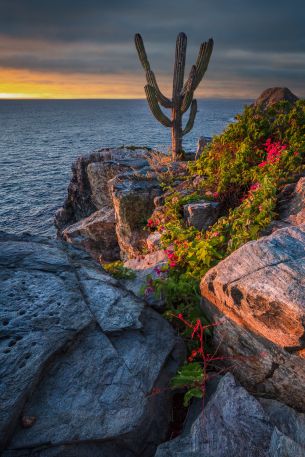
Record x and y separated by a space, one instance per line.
112 99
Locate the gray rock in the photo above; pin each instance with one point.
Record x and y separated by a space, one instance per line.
202 142
133 199
88 189
153 241
146 267
283 446
100 173
80 355
96 235
233 423
201 215
274 95
258 295
286 420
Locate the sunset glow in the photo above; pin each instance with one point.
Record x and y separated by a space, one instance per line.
30 84
51 51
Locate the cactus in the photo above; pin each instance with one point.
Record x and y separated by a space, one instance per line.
183 93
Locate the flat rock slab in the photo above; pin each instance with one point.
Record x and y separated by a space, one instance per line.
79 356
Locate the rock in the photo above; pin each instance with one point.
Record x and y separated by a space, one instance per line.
234 423
283 446
146 267
100 173
202 142
96 235
159 201
201 215
290 207
79 356
287 421
133 200
153 241
258 295
198 182
88 188
274 95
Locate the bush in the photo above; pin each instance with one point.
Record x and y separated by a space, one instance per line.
244 169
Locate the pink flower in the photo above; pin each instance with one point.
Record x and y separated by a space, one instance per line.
158 271
215 194
254 187
274 151
214 234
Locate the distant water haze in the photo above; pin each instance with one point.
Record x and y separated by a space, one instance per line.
39 140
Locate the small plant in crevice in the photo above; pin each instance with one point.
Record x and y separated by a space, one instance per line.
118 271
203 364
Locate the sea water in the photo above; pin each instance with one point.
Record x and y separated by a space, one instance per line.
39 140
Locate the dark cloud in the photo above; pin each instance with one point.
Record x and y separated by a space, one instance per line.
253 39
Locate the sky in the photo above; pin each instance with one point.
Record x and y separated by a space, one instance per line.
85 48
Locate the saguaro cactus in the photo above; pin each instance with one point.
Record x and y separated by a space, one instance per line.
183 93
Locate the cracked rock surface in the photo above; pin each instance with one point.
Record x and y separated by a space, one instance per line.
235 423
78 357
258 294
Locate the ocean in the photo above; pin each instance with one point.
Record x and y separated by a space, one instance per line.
39 140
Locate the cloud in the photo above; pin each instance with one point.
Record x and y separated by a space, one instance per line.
259 43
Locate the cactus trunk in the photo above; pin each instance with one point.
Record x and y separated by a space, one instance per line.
182 98
177 151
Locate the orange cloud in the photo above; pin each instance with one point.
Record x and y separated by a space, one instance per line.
17 83
32 84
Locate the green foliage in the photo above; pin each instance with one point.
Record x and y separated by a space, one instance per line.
237 170
190 376
241 172
118 270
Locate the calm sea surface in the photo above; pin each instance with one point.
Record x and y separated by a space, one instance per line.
40 139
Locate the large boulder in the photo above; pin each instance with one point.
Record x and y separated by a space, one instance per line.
234 423
133 199
88 188
79 357
274 95
257 294
96 235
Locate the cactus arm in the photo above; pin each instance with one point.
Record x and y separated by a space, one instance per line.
141 51
154 107
179 65
189 93
203 60
191 120
150 76
201 65
151 81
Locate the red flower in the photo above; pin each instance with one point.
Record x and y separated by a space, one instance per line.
254 187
